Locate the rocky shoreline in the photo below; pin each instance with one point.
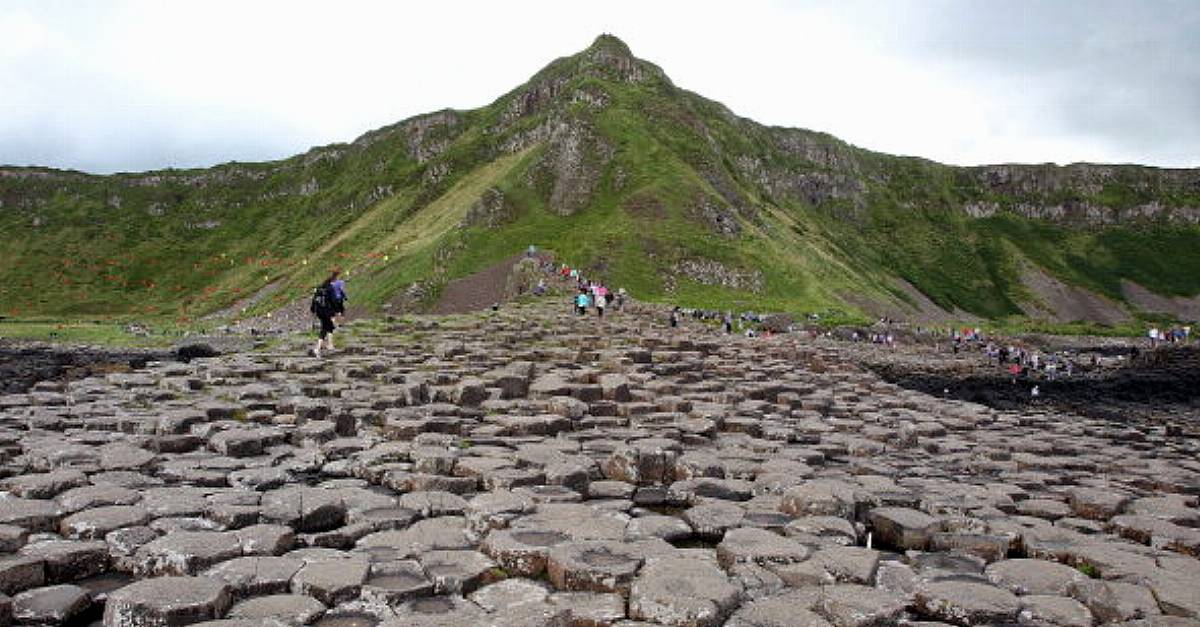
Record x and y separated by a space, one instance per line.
23 364
1163 384
532 468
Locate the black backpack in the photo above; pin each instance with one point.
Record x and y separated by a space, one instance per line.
322 301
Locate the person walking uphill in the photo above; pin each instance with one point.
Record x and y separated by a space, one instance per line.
325 305
339 293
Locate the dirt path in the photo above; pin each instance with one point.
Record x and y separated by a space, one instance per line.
477 291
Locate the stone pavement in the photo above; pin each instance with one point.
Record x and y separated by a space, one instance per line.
531 468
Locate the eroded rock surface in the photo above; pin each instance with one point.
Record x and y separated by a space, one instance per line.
491 470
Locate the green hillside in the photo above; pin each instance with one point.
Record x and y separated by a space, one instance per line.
600 158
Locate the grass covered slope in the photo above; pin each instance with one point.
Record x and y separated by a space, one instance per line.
602 159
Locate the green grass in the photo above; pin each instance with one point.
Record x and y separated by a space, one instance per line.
170 247
94 333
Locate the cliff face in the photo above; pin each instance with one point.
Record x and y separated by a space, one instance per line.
603 159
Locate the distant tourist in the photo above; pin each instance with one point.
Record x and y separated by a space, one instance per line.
600 296
674 317
581 302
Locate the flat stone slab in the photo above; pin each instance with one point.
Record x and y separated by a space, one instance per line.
682 591
458 571
1055 610
304 509
438 611
820 498
32 514
510 593
522 552
903 528
394 582
256 576
848 605
966 603
167 602
1028 576
66 561
759 546
98 522
290 608
442 533
593 566
187 552
332 581
786 609
53 605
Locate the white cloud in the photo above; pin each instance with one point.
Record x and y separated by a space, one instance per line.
142 84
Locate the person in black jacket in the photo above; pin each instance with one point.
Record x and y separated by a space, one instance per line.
325 305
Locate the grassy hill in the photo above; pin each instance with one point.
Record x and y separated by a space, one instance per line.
601 158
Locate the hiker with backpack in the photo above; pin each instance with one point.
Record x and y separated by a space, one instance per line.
326 303
339 294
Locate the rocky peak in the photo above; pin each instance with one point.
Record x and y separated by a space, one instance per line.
610 44
610 55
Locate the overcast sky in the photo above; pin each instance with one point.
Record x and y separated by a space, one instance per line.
134 85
